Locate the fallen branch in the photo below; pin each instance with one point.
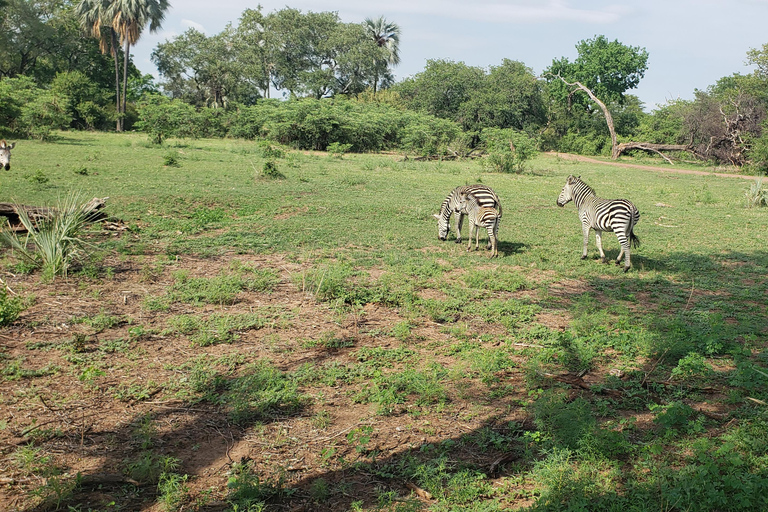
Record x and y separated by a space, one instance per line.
37 213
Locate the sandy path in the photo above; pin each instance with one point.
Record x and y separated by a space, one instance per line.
580 158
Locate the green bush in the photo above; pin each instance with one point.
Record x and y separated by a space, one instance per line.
161 117
10 307
508 149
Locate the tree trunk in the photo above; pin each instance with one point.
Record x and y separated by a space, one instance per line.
10 211
117 78
653 148
126 57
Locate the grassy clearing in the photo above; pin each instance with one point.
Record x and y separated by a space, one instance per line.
349 360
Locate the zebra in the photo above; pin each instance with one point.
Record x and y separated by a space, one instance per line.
485 197
617 215
5 154
486 217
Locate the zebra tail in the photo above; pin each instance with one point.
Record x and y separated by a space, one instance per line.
633 240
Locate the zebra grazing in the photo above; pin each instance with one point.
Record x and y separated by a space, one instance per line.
5 154
480 216
617 215
485 197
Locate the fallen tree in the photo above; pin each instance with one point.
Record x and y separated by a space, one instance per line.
11 212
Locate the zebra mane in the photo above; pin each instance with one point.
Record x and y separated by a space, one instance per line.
580 185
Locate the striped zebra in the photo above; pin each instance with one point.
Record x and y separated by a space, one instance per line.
617 215
5 154
485 197
480 216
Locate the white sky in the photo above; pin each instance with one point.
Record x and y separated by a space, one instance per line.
691 43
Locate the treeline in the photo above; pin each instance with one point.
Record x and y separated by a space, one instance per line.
336 83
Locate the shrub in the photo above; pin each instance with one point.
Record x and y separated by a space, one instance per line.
56 241
161 117
271 172
337 150
10 307
508 149
757 195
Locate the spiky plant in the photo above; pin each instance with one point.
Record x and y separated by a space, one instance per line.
52 242
757 195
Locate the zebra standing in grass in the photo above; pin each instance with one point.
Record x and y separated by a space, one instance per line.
485 197
617 215
480 217
5 154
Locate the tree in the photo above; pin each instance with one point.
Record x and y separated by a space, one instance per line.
123 21
255 49
604 71
94 18
129 19
204 70
509 97
442 88
386 35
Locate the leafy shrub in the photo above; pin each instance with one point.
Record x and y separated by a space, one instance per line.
161 117
83 101
508 149
427 135
10 307
271 172
337 150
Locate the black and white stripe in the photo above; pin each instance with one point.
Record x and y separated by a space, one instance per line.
616 215
485 197
479 216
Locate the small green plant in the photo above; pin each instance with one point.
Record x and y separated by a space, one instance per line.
38 177
10 307
80 170
173 490
270 151
757 195
337 149
171 159
271 172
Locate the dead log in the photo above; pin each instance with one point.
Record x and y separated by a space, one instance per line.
11 211
653 148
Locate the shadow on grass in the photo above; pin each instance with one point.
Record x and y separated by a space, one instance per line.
721 317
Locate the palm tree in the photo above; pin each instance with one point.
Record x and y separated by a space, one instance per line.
92 15
126 20
129 19
387 35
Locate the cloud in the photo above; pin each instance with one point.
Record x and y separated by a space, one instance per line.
193 24
496 11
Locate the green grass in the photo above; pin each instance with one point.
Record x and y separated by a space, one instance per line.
685 328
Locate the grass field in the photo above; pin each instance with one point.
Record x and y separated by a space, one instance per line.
307 343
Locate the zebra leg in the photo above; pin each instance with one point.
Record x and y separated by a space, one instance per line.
459 222
493 241
471 228
599 243
585 231
477 238
625 246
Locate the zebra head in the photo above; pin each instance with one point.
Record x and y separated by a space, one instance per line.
5 154
567 193
462 206
443 226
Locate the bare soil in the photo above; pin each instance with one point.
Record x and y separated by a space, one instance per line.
84 425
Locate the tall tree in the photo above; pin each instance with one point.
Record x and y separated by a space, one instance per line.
129 19
387 36
94 17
